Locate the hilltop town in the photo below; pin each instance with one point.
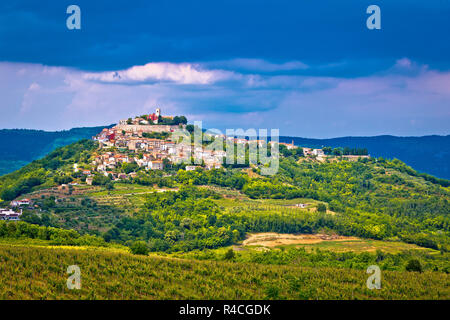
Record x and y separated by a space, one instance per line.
147 141
136 146
151 143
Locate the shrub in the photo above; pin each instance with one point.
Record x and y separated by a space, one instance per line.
321 207
140 247
229 255
414 265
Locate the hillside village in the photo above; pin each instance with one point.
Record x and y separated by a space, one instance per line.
147 142
143 143
11 215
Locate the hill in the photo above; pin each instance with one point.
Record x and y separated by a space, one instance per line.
429 154
172 210
19 147
191 221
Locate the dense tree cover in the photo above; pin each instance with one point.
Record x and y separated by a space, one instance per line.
153 177
174 121
284 151
44 172
370 198
224 178
379 215
374 199
345 151
21 187
62 179
129 167
427 154
175 221
402 167
321 207
18 147
55 236
100 180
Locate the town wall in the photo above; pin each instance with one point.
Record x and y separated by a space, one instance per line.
146 128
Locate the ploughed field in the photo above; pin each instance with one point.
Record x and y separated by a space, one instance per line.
40 273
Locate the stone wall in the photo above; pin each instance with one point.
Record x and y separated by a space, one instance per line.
146 128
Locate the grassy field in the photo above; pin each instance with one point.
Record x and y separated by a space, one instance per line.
236 204
40 273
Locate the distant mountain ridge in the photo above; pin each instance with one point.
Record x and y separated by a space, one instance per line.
19 147
429 154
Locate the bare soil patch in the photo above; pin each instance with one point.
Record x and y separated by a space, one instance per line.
271 239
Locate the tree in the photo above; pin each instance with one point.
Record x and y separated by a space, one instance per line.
109 186
140 247
190 128
337 151
321 207
129 167
100 180
182 120
327 150
414 265
229 255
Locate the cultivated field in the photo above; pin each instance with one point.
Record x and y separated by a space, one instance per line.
40 273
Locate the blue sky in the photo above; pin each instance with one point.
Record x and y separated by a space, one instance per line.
309 68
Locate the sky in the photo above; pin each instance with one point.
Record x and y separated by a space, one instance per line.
307 68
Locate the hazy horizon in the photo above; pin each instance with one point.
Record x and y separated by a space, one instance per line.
281 135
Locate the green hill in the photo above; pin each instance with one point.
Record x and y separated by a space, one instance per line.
391 215
371 198
19 147
427 154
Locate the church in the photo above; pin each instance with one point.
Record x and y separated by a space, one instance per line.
154 117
